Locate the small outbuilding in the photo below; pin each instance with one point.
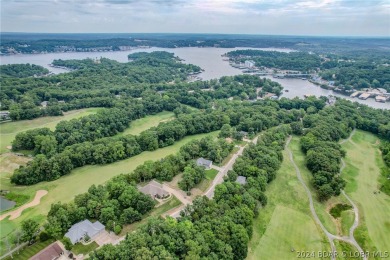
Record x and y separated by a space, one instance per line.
80 230
52 251
204 162
154 189
241 180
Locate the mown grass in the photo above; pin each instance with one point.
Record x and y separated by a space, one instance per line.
139 125
206 182
286 222
172 203
362 173
84 249
9 130
29 251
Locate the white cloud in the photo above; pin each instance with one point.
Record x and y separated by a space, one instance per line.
304 17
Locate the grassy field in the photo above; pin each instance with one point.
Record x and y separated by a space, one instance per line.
171 204
285 223
139 125
363 162
10 129
80 179
30 251
84 249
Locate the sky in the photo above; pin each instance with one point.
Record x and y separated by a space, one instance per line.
269 17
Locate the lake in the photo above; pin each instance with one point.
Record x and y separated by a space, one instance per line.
209 59
6 204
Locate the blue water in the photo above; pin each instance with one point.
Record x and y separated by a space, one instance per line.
6 204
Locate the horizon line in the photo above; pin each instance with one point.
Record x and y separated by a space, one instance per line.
197 33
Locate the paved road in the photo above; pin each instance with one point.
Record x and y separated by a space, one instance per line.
222 173
350 239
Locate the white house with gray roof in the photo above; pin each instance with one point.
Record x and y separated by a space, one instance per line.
205 163
78 231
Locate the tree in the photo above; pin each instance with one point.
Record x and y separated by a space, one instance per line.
30 230
67 243
226 131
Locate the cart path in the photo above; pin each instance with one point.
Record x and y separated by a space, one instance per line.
17 212
350 239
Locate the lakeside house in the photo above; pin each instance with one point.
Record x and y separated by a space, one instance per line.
79 231
154 189
364 96
204 162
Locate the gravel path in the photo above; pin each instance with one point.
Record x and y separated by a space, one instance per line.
350 239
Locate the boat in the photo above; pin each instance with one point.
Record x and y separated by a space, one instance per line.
286 90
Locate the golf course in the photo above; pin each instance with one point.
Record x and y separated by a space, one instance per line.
80 179
286 226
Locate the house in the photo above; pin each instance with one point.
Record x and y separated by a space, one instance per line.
154 189
78 231
364 96
243 133
4 115
52 251
241 180
205 163
249 64
380 99
44 103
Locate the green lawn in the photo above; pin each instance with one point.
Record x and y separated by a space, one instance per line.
363 162
9 130
80 179
30 251
84 249
210 174
139 125
286 221
209 177
158 211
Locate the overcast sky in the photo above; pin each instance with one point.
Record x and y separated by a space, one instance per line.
281 17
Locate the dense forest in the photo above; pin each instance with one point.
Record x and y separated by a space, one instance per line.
37 43
301 61
22 70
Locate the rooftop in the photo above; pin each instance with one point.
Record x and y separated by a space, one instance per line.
79 230
241 180
50 252
153 188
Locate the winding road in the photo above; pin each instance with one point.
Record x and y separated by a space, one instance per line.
350 239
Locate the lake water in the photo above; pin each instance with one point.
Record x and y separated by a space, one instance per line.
6 204
209 59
